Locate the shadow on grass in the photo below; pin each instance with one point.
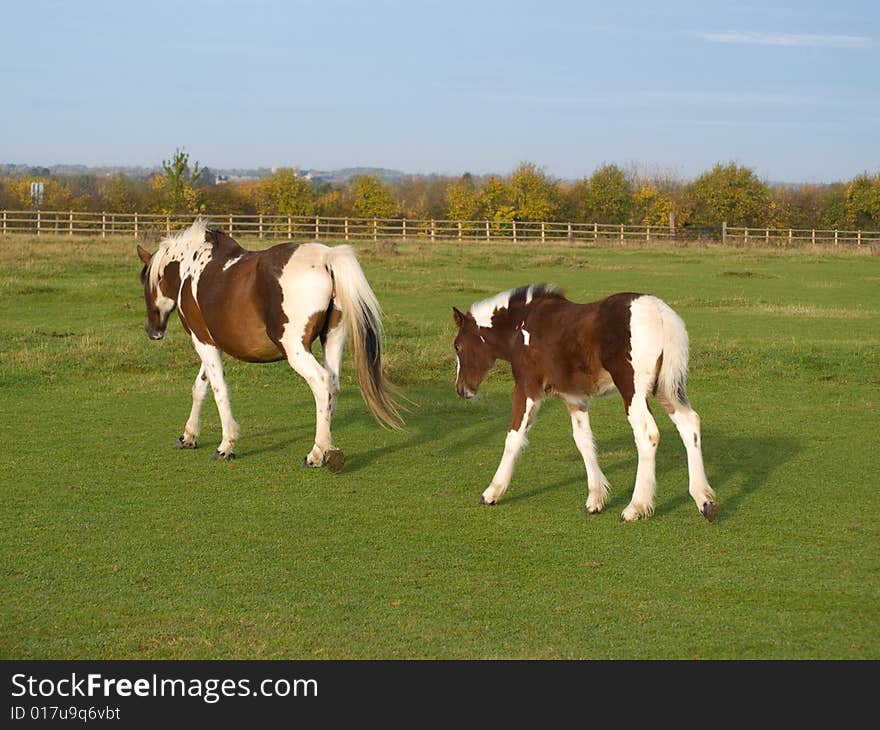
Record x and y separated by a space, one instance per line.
746 461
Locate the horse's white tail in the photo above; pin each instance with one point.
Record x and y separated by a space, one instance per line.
673 371
362 312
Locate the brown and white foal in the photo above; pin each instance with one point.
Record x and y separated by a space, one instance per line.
264 306
634 344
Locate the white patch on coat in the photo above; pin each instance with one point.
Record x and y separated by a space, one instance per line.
526 336
529 295
482 311
231 262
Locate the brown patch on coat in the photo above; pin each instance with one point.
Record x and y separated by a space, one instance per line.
191 315
242 306
574 349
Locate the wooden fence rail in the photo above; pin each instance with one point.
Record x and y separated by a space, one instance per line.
144 225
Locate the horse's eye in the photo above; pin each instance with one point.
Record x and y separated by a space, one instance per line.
457 347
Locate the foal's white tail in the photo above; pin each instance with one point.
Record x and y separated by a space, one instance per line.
361 310
675 347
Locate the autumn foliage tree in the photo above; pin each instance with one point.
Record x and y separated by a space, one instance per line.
174 188
729 193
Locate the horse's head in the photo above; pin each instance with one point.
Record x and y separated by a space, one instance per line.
475 357
160 293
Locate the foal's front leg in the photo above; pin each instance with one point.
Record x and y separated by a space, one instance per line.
190 438
525 407
597 484
212 364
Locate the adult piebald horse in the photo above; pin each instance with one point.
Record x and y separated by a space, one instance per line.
634 344
264 306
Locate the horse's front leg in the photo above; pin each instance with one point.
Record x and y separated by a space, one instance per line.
526 402
190 438
212 364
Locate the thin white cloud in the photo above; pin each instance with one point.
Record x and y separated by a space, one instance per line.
655 97
792 40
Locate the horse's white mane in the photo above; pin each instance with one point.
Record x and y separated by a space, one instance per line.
175 247
483 310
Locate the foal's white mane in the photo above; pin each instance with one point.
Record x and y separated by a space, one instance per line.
483 310
175 247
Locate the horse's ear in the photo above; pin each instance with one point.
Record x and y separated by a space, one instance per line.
458 317
144 255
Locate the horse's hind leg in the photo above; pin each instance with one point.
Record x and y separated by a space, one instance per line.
318 379
583 437
687 421
333 344
190 438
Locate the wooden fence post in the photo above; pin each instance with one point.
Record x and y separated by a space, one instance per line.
487 230
724 232
167 225
261 225
569 231
835 236
459 230
859 239
790 236
70 224
38 222
432 230
404 228
103 224
813 237
621 232
375 229
4 222
346 229
648 234
514 231
542 231
767 236
230 225
317 228
289 227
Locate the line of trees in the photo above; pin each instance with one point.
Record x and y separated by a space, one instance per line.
728 192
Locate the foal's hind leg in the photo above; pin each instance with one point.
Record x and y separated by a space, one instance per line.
687 421
597 484
190 438
647 437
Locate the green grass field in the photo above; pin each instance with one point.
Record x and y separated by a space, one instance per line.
116 545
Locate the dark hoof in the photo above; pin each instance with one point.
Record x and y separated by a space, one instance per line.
710 511
217 456
181 444
305 464
483 501
591 511
335 460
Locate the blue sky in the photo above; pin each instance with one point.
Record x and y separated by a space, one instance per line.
791 90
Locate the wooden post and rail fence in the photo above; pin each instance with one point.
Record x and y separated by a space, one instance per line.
317 228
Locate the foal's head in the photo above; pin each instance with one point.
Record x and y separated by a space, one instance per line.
159 293
474 355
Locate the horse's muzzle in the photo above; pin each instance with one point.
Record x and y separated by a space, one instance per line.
465 392
153 334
